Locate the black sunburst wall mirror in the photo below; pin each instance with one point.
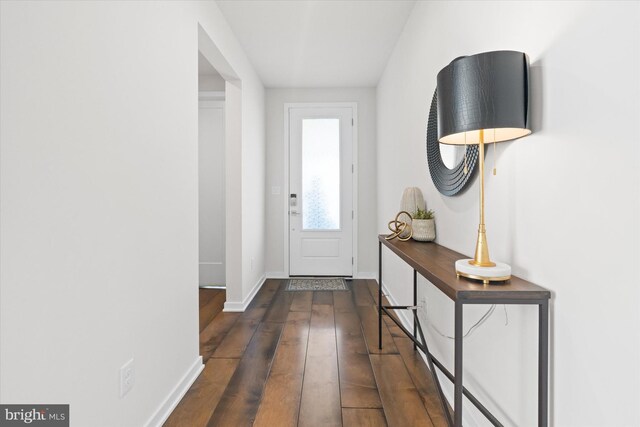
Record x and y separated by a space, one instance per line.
449 167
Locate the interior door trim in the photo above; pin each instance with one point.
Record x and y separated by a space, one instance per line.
354 192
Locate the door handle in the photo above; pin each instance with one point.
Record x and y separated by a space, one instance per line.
295 213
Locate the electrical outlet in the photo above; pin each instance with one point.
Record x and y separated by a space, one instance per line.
127 378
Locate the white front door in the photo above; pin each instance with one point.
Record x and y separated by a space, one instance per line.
211 189
321 191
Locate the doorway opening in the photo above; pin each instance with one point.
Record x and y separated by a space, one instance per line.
211 192
211 176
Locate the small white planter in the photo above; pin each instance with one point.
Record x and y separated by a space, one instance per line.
424 230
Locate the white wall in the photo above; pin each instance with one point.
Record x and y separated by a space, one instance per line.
563 209
213 83
99 243
253 197
366 100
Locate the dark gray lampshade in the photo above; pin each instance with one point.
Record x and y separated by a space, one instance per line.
489 92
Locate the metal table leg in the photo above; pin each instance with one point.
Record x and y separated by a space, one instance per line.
415 304
380 295
543 363
457 390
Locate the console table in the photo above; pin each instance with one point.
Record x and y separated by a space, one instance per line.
436 264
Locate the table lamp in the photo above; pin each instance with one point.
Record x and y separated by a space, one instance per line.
483 98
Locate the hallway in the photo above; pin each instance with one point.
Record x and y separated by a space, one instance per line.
307 359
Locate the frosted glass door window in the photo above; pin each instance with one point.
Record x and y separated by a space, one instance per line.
321 174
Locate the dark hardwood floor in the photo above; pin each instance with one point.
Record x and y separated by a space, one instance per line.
306 359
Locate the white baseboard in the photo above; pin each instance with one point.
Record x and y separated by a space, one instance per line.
366 275
242 306
276 275
178 392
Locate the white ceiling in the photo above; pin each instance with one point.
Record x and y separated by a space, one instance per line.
330 43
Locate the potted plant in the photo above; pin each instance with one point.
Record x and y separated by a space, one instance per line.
424 225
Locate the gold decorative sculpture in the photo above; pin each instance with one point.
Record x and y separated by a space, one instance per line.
400 228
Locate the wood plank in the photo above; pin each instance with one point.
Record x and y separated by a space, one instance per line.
205 295
402 403
423 380
320 402
369 319
281 399
323 297
372 286
214 333
415 364
239 403
343 302
234 343
357 384
196 407
361 294
302 301
279 309
265 295
211 308
359 417
395 331
413 361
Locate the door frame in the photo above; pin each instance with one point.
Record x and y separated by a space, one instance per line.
233 171
354 176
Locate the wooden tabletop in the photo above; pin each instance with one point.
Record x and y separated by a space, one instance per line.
436 263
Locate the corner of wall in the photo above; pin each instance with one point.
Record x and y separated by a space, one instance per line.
173 399
240 306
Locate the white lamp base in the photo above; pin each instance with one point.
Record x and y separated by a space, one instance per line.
499 273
